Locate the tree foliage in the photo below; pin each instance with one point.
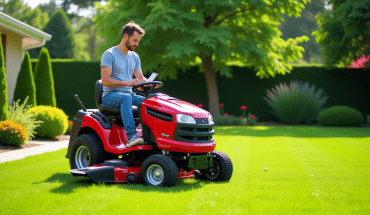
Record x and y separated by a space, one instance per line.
25 85
210 33
44 80
21 11
3 87
344 32
293 27
62 44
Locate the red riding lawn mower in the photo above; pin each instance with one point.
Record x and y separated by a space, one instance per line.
177 137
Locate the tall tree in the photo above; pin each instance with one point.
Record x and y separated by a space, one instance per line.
344 32
21 11
88 26
63 44
50 7
210 33
304 25
3 87
44 80
25 85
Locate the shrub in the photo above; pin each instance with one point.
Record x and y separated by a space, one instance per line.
25 86
296 103
44 80
12 133
227 120
18 113
3 87
54 121
341 116
368 120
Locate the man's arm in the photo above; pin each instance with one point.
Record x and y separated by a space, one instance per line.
106 79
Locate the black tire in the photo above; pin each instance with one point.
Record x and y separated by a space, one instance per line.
222 168
87 150
159 170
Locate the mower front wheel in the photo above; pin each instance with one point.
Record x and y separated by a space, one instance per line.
86 151
159 170
221 170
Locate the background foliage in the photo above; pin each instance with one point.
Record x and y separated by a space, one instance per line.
243 89
344 32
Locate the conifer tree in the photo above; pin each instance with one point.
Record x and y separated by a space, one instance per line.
63 43
3 87
44 81
25 85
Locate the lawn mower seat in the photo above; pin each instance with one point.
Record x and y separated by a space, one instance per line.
106 110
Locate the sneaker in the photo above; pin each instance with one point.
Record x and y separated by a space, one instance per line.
122 146
134 141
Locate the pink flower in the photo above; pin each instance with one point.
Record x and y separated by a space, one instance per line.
241 117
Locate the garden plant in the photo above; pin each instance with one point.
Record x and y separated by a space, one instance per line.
297 102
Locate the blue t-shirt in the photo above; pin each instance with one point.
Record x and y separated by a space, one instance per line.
123 67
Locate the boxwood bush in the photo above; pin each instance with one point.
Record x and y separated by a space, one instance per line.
227 120
341 116
54 121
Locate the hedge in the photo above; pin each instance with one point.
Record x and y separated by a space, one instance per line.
348 87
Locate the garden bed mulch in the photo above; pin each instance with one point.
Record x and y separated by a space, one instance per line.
31 143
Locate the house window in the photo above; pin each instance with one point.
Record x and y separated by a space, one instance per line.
3 40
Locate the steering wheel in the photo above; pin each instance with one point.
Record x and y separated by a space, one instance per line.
147 88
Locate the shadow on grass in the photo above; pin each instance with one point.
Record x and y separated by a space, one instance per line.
71 183
293 131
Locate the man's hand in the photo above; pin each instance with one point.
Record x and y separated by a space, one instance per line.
134 82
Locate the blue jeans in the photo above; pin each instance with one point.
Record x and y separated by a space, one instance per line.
124 102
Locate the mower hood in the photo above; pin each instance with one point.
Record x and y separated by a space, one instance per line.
174 105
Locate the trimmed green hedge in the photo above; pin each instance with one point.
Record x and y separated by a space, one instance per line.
75 77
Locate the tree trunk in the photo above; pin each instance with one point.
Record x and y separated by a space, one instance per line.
212 90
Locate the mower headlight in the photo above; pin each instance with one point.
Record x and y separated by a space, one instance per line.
182 118
210 119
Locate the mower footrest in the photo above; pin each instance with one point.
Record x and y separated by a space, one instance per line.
97 174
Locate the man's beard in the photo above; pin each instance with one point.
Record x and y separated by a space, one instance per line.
131 48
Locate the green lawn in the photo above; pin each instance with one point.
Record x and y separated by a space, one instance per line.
310 170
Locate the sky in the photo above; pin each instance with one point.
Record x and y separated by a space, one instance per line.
34 3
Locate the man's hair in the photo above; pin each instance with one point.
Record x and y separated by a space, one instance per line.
130 28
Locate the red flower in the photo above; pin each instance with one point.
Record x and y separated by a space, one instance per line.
200 105
243 107
226 114
221 104
253 116
241 117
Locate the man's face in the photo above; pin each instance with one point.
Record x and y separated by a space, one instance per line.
133 41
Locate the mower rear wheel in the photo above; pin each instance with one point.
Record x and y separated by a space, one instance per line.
86 151
159 170
222 168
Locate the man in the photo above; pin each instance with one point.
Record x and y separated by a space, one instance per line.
118 65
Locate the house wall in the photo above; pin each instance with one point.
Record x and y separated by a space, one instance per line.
14 53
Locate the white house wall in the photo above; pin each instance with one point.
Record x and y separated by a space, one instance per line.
14 57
